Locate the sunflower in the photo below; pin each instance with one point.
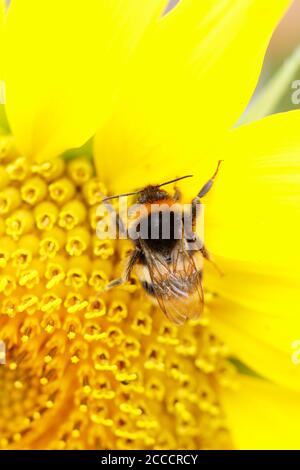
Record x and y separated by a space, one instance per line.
160 92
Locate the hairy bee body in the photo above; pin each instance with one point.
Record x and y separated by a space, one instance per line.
169 267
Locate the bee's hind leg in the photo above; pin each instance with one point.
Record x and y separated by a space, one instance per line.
206 255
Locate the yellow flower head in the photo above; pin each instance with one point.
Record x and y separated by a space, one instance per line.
116 367
89 369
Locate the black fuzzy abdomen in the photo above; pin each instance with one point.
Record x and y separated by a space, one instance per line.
161 231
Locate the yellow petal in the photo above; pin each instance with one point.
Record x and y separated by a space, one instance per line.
252 213
252 228
266 341
64 61
2 14
2 92
192 79
2 11
248 285
262 416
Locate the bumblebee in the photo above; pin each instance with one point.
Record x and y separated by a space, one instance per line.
169 268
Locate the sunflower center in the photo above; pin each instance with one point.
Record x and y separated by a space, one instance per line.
29 393
99 371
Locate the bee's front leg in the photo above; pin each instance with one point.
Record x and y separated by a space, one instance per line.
204 190
134 257
177 194
114 283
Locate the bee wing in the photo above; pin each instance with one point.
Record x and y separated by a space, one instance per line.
184 264
177 286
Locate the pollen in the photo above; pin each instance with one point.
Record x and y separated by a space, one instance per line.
86 369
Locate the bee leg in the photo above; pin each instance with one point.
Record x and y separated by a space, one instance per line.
205 189
176 195
207 256
130 265
134 257
114 283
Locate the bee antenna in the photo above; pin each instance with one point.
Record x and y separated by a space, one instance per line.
138 192
119 195
174 181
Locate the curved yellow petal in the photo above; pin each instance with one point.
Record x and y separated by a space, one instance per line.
253 212
2 11
2 16
2 91
192 79
273 293
262 416
64 62
252 228
266 341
